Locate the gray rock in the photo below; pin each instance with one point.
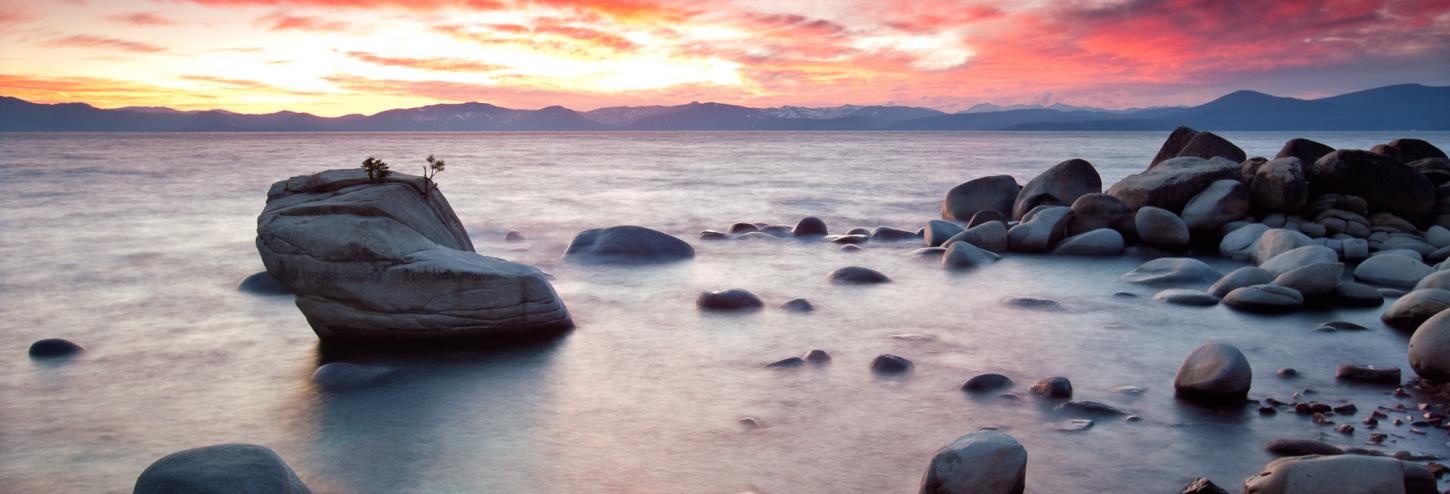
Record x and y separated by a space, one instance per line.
713 235
1398 252
786 363
991 235
817 357
1314 280
1280 185
1368 374
220 469
1351 294
729 300
54 347
1316 474
1160 227
1034 303
928 253
1064 182
847 239
986 382
1173 145
1171 183
1239 278
1299 257
1093 211
1384 183
1100 242
856 275
341 376
381 262
1300 447
1216 373
964 255
1415 307
1171 270
777 231
938 231
1091 408
1278 241
1184 296
810 226
889 234
996 192
1210 145
1240 243
1355 249
1053 388
742 228
263 284
988 215
1218 204
798 305
514 236
1305 150
982 462
890 364
1430 348
1392 271
1264 298
1438 236
1201 485
627 244
1071 425
1039 229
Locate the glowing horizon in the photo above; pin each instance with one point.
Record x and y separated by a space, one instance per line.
336 57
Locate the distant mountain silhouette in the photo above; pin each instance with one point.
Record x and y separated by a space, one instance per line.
1401 107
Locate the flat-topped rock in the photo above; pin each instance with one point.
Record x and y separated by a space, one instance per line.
1239 278
1171 183
1392 271
382 262
1184 296
1346 474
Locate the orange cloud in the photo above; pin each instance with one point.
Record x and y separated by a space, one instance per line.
89 41
433 64
278 21
142 19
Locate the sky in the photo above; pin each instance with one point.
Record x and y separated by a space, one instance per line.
336 57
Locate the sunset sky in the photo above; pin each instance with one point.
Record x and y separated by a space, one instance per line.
333 57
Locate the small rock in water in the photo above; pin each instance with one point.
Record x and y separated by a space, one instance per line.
1125 295
1171 270
339 376
809 226
890 364
1287 372
1090 408
913 337
1215 373
1071 425
1368 374
1185 296
859 231
1131 390
1034 303
733 299
749 422
786 363
263 284
889 234
1340 326
850 248
740 228
1265 299
713 235
798 305
1053 387
986 382
54 347
1239 278
1300 447
1201 485
928 252
817 357
515 236
856 275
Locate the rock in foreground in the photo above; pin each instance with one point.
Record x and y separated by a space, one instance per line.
220 469
1340 474
982 462
54 347
1215 373
1430 348
382 262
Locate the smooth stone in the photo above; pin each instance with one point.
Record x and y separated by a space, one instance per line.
1356 474
964 255
1300 257
848 248
1239 278
1313 280
777 231
1384 183
1392 271
220 469
857 275
757 235
1173 144
1287 372
1100 242
817 357
1170 184
1355 249
1278 241
865 232
928 252
1214 372
982 462
54 347
786 363
514 236
1160 227
1416 307
1438 236
1070 425
938 231
742 228
1084 407
340 376
1065 182
1184 296
1218 204
986 382
1340 326
810 226
1264 298
996 192
798 305
1280 185
1039 230
1351 294
1093 211
1171 270
1368 374
263 284
889 234
1300 447
1053 388
713 235
1306 150
1430 348
627 244
890 364
1240 243
1410 253
987 215
728 300
1210 145
1201 485
991 235
1034 303
1437 279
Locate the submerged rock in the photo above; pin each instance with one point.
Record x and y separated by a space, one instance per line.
263 284
889 234
1184 296
964 255
732 299
1300 447
982 462
890 364
221 469
1090 408
382 262
627 245
54 347
1171 270
798 305
1264 298
1368 374
810 226
1215 373
857 275
986 382
1430 348
340 376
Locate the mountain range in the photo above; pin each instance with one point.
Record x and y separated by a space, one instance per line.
1399 107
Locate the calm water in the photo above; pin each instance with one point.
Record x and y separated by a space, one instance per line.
132 245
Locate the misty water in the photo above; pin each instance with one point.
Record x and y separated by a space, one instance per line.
133 244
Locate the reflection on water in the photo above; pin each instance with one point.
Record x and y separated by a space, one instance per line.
133 244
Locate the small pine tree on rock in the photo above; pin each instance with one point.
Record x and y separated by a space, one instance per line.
434 167
376 168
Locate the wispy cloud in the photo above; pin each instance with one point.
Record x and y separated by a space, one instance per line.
89 41
142 19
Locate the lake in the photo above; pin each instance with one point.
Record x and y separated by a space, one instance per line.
133 244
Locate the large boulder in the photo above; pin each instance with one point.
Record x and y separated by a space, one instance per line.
1222 202
1392 271
1064 182
385 262
1357 474
996 192
1407 150
1305 150
1241 243
1040 229
1239 278
1170 184
1386 184
1314 280
1214 372
1279 186
991 235
1414 308
1209 145
1160 227
1100 242
627 244
937 232
1093 211
1430 348
1277 241
220 469
982 462
1264 298
1173 144
1169 270
1298 258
